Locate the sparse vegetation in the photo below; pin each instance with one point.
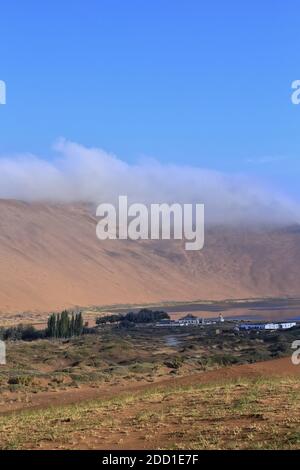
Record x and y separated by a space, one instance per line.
114 360
117 355
21 333
245 414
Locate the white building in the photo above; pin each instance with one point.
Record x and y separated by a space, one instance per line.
287 325
280 326
271 326
189 320
268 326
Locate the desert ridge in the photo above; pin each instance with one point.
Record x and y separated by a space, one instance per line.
51 259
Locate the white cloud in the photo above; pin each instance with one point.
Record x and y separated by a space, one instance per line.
77 173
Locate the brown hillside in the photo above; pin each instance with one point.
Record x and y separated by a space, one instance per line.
51 258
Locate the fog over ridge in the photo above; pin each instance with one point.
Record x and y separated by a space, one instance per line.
80 174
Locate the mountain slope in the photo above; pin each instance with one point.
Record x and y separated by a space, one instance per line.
51 258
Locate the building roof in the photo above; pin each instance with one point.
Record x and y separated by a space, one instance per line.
189 317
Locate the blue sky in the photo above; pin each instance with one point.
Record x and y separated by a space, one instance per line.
192 82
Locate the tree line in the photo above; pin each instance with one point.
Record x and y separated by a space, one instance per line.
145 315
60 325
64 325
21 332
69 324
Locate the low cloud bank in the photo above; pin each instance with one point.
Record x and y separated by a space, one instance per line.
80 174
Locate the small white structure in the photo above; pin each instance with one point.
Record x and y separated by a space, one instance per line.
189 320
280 326
268 326
221 318
287 325
271 326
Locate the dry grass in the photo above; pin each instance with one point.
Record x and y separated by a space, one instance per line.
247 414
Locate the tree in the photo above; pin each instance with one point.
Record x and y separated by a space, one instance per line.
61 325
78 324
72 325
51 327
64 324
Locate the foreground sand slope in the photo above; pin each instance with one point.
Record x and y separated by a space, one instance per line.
51 258
266 369
239 407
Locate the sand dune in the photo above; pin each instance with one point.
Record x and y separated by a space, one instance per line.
51 258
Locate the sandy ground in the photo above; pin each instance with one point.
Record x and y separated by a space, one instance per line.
278 367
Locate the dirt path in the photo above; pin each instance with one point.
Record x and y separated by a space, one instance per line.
277 367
